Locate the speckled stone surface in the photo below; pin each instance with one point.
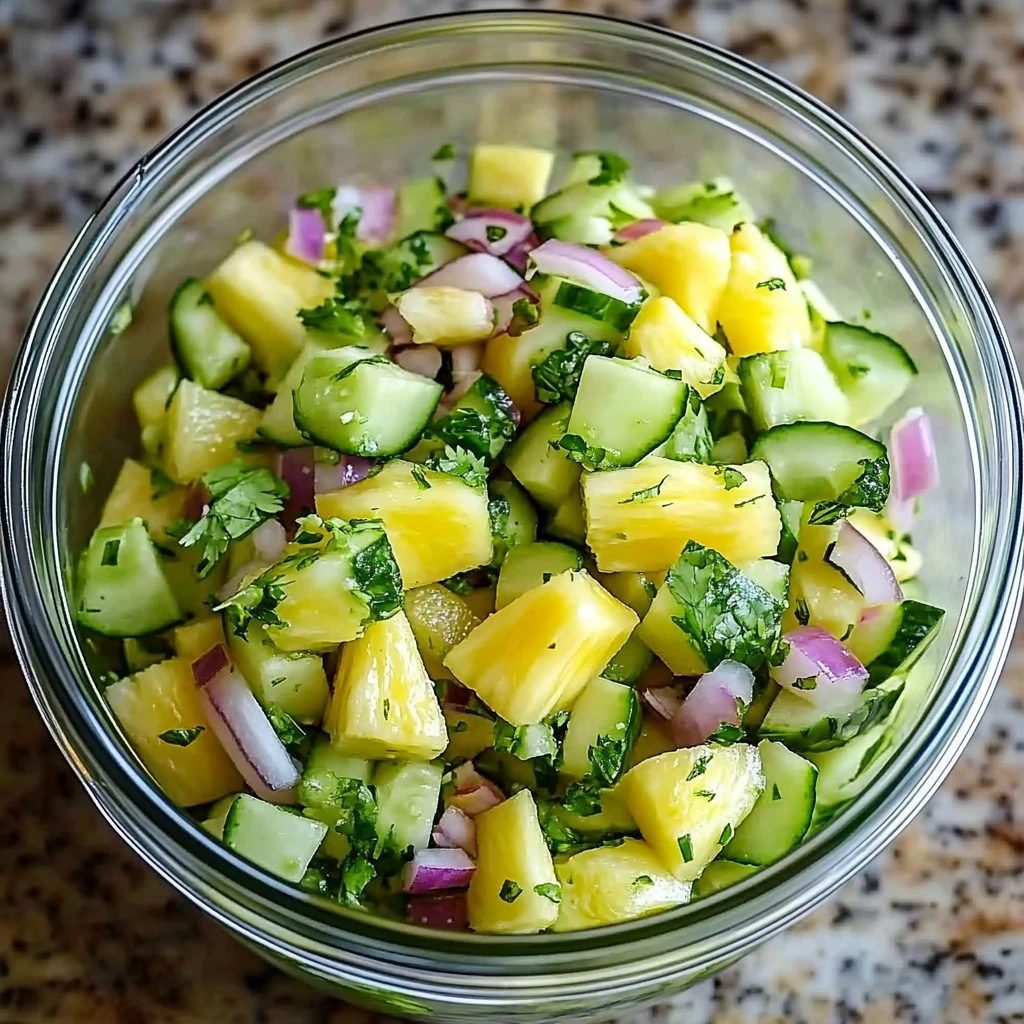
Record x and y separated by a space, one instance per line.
933 931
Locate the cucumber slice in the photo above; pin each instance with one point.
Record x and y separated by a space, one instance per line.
803 727
363 405
622 412
788 386
690 440
603 726
715 203
326 767
206 348
596 305
588 213
782 815
407 798
122 589
872 369
513 518
841 770
543 469
720 874
894 637
827 463
630 662
482 421
530 565
569 522
423 206
271 837
278 423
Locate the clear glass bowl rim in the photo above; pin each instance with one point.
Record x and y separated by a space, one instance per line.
282 920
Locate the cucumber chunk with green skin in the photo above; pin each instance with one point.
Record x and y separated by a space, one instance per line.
630 662
122 589
325 772
790 512
589 213
803 727
363 405
423 206
894 637
715 203
783 812
538 464
482 421
873 370
832 465
789 386
407 798
531 565
513 518
596 305
603 726
272 838
568 522
690 440
719 875
206 348
622 411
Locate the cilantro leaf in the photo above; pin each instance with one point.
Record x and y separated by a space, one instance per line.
773 284
613 167
525 314
289 732
241 498
583 798
645 492
801 612
336 316
700 766
550 891
510 891
458 462
608 759
686 848
446 151
321 199
731 477
577 450
182 737
557 377
482 426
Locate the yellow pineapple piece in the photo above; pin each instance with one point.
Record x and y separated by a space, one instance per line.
203 431
728 508
509 176
150 400
447 317
611 884
508 361
384 704
260 292
660 632
535 655
688 262
670 340
134 494
514 888
653 739
195 638
157 700
667 796
435 532
439 620
762 308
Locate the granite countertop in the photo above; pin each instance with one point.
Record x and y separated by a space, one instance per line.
932 931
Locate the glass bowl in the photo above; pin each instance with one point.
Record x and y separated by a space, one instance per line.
374 107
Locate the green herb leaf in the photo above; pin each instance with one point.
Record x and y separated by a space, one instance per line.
642 881
801 612
726 835
806 683
577 450
110 551
776 795
525 314
557 377
686 848
182 737
446 151
613 167
706 794
160 482
773 284
122 318
731 477
700 766
419 475
458 462
323 200
337 316
290 733
550 891
510 891
644 493
583 798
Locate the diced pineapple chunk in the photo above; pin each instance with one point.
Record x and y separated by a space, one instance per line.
203 431
670 340
157 700
260 292
902 556
135 493
435 532
728 508
688 262
509 176
514 889
611 884
535 655
654 739
384 703
637 589
195 638
439 620
661 633
510 362
762 309
447 317
668 798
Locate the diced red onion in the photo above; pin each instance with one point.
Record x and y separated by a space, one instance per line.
295 468
712 703
901 512
306 230
398 330
422 359
377 206
466 777
864 566
430 870
197 501
664 701
447 910
269 539
349 469
915 465
474 228
519 255
503 307
588 266
243 729
820 669
456 828
234 583
473 793
638 229
475 272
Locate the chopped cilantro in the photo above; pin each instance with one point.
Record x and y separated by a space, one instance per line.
806 683
557 377
510 891
460 726
731 477
550 891
182 737
321 199
122 318
336 316
613 168
706 794
801 612
643 881
458 462
288 730
160 483
773 284
856 370
525 315
645 492
583 798
776 795
277 681
387 709
686 848
608 759
726 835
495 232
420 477
700 766
446 151
577 450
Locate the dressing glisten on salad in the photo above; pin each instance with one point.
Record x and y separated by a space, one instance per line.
514 559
